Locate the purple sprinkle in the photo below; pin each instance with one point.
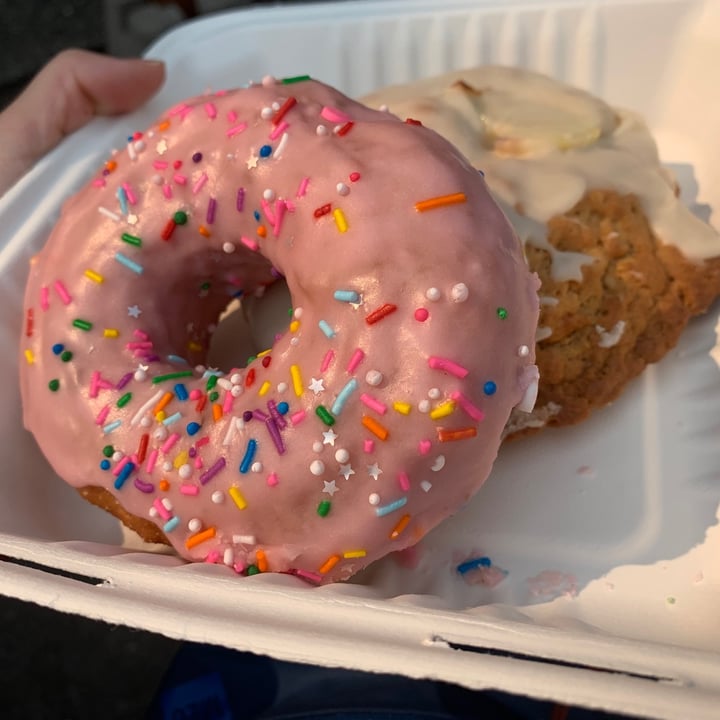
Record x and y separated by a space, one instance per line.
275 435
197 157
142 486
247 416
240 202
151 358
276 416
124 380
192 452
259 415
212 471
210 216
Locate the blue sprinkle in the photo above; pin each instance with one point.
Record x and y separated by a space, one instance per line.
489 387
481 173
122 199
181 392
128 263
283 407
265 150
349 296
172 418
112 426
104 464
192 428
342 397
57 348
171 524
249 455
327 330
124 475
256 215
177 359
473 564
387 509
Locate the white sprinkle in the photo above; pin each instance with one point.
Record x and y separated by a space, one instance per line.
117 456
145 421
321 130
108 213
294 341
140 145
317 446
228 557
153 513
185 471
317 467
217 497
424 406
523 351
269 194
434 393
297 313
224 383
432 294
160 433
236 378
426 486
194 525
228 248
268 81
266 113
373 498
276 106
244 539
167 504
342 455
342 189
156 179
281 146
459 293
140 375
256 467
282 387
167 466
373 377
236 391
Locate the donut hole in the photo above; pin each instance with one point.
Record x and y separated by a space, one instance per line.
249 326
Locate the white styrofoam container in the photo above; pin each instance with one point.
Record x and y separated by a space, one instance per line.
609 531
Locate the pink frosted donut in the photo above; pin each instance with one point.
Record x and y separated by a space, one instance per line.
374 416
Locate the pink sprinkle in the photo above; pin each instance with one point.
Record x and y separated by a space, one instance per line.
102 415
373 403
94 384
309 576
355 360
329 357
62 292
160 164
404 481
195 394
179 178
212 557
438 363
44 298
249 243
163 512
132 198
279 215
278 130
239 567
267 209
152 459
168 444
99 182
185 112
474 412
354 176
140 345
178 109
202 441
199 183
368 445
421 314
272 479
302 189
290 206
141 334
199 464
334 115
236 129
231 116
297 417
167 191
189 489
227 402
424 447
121 464
211 110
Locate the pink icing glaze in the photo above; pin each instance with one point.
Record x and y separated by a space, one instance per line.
332 208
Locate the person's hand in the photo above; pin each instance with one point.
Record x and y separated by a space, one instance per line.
67 93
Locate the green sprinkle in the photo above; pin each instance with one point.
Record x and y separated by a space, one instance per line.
124 400
671 600
322 412
108 451
82 324
214 396
205 286
54 385
252 570
295 79
250 359
171 376
180 217
323 508
132 239
502 313
290 312
211 383
66 356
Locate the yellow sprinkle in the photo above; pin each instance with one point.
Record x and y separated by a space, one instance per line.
296 380
160 415
264 388
294 325
217 412
111 332
354 554
95 277
329 564
192 345
340 220
238 498
402 407
442 410
264 353
29 356
181 459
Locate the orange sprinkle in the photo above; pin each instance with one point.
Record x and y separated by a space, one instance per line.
164 125
261 561
204 231
110 165
197 347
164 485
459 434
440 201
163 402
261 231
217 412
402 524
329 564
200 537
375 427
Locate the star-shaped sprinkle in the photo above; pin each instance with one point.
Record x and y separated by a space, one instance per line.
161 147
134 311
329 438
374 471
252 162
330 487
316 385
346 471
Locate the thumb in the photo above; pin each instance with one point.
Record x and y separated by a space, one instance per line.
68 92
